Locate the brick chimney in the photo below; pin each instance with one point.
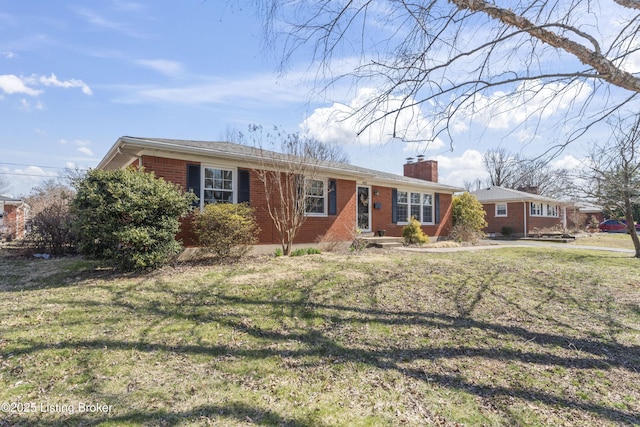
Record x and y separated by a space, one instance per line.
421 169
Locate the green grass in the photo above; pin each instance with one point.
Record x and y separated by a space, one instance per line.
607 240
526 336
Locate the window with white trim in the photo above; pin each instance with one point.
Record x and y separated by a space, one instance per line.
316 198
402 206
552 210
501 209
418 205
536 209
427 208
218 185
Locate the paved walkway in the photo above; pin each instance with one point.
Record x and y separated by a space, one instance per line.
500 244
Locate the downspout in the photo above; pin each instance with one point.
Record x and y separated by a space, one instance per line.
524 206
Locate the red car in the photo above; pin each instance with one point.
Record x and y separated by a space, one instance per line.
615 226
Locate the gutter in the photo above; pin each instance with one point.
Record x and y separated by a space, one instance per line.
172 148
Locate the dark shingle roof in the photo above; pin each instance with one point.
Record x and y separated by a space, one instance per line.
239 151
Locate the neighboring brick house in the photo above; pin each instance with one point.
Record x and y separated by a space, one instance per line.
581 215
13 218
524 212
347 197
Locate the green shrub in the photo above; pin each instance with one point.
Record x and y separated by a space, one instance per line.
468 218
313 251
298 252
278 252
507 231
413 233
227 230
128 217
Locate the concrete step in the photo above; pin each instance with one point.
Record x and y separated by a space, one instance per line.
384 242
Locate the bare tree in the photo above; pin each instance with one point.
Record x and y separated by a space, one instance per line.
501 166
292 188
614 173
460 57
513 171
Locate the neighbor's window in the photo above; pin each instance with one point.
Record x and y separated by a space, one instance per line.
552 210
536 209
416 205
316 197
501 209
218 185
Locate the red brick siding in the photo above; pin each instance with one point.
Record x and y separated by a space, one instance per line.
515 219
338 227
171 170
14 221
382 218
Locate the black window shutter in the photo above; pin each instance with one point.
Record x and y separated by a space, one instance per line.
333 198
193 181
244 194
394 205
437 208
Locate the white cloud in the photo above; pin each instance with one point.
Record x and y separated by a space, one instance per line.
567 162
101 22
25 105
11 84
465 168
8 54
85 150
52 80
340 123
83 147
532 101
162 66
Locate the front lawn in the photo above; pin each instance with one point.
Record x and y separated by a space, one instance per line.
524 336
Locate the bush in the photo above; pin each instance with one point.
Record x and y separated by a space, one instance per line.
129 217
468 218
52 229
413 233
226 230
507 231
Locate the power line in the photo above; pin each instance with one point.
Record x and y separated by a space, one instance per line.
26 174
38 166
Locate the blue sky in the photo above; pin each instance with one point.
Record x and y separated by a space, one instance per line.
75 76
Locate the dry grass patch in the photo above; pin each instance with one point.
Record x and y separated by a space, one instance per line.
521 336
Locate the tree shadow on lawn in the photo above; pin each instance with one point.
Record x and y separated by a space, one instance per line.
318 344
231 411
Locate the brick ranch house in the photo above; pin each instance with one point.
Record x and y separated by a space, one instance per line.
525 212
13 218
347 197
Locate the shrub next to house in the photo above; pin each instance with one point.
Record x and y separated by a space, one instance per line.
129 217
227 230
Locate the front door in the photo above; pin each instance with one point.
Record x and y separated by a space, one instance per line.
364 208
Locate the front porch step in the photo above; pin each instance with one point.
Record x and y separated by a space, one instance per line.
384 242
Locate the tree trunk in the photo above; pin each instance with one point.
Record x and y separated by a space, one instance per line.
631 227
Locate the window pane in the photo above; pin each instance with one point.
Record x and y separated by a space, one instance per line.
415 212
402 197
314 199
403 213
427 200
415 198
427 214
